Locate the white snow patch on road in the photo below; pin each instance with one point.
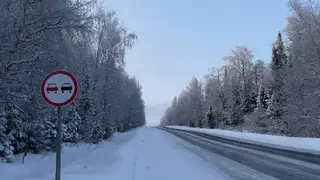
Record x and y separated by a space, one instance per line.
308 144
141 154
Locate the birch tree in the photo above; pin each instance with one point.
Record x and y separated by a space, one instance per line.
302 107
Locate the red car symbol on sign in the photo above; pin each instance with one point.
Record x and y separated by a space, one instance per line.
52 88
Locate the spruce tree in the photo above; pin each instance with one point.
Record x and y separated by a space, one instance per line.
86 111
6 149
261 98
278 67
237 112
71 123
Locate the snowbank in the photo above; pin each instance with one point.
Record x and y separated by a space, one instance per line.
83 161
294 143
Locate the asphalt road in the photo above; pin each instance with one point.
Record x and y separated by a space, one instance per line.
262 165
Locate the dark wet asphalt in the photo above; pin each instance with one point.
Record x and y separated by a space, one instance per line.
278 168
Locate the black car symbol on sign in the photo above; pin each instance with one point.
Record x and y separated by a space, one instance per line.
66 87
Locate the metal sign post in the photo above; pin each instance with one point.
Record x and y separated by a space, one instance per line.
59 142
58 89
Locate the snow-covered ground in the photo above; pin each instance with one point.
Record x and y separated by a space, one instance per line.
141 154
294 143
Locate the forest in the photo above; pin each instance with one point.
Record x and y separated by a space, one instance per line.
39 37
248 94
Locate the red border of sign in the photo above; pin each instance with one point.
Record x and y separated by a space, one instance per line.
66 102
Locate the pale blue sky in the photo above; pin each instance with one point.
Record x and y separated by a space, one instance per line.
179 39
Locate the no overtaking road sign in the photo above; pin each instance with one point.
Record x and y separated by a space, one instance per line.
58 89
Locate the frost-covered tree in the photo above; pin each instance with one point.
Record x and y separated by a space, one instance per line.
86 110
210 118
240 63
215 95
287 87
16 127
6 150
261 99
228 91
195 102
113 41
279 68
174 111
188 108
259 71
38 37
71 123
236 108
301 110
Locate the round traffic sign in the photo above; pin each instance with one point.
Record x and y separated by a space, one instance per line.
59 88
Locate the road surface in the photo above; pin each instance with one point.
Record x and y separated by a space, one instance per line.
150 153
237 162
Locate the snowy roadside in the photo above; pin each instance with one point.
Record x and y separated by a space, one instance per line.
142 154
292 143
76 159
